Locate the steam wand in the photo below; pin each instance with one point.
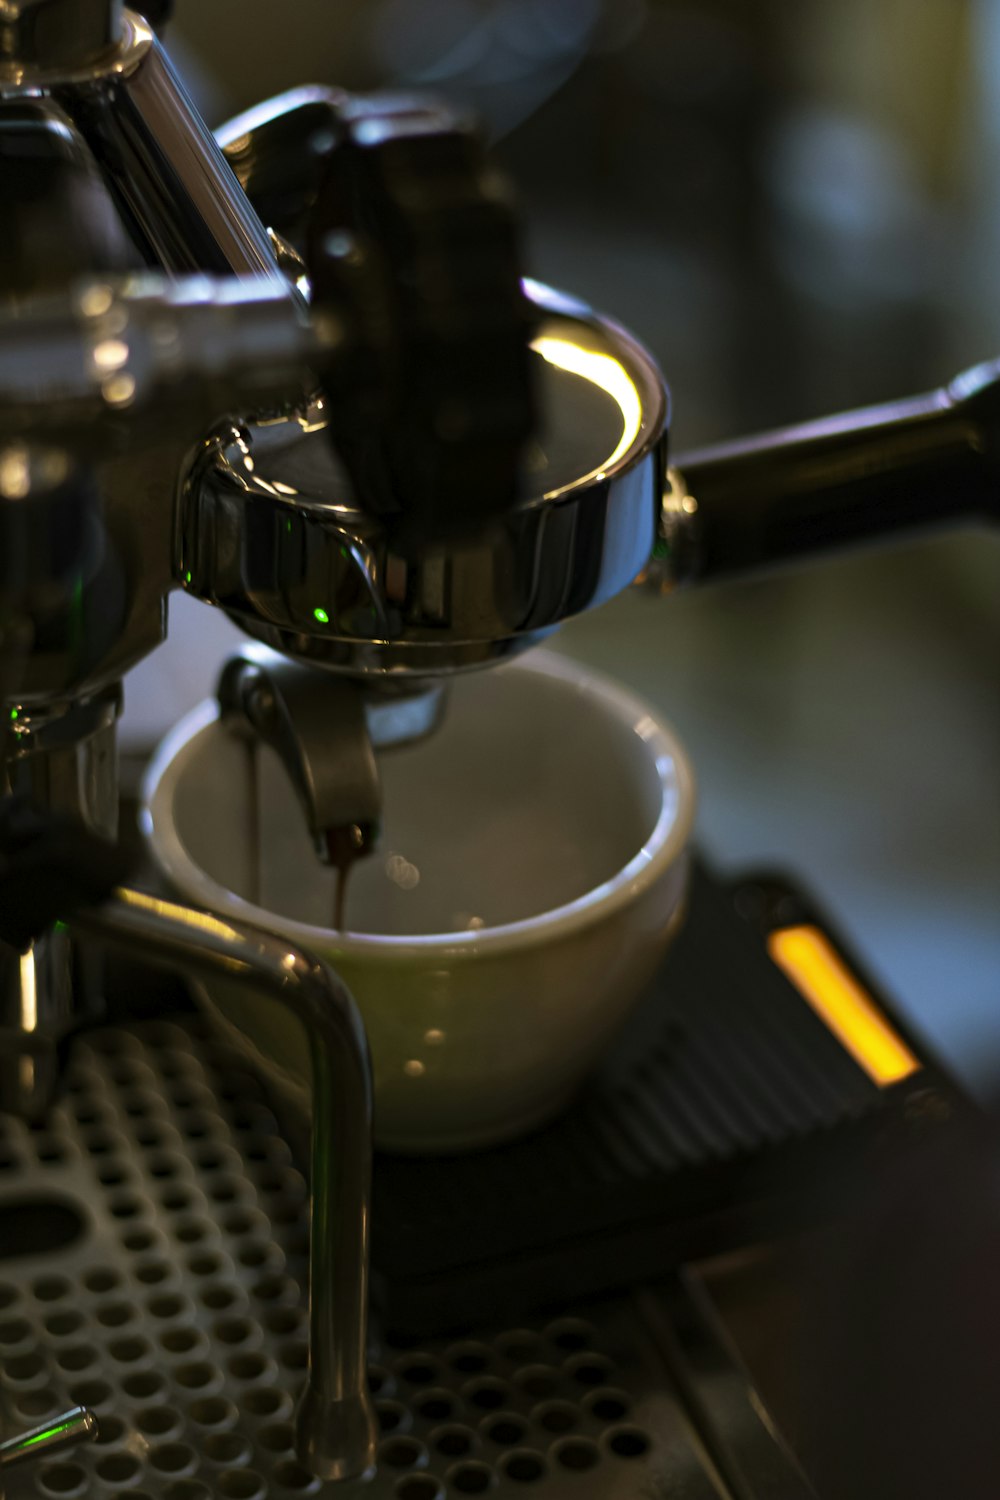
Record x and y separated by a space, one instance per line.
335 1421
53 867
78 1425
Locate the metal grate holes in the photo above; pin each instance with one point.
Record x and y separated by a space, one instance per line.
576 1454
229 1448
608 1404
537 1381
143 1384
118 1468
470 1358
392 1416
93 1393
436 1405
158 1421
198 1375
51 1288
556 1417
16 1335
588 1369
506 1429
199 1308
111 1430
523 1466
61 1479
266 1401
241 1484
277 1437
173 1458
402 1453
419 1487
570 1334
487 1393
290 1475
469 1479
628 1442
115 1314
34 1405
213 1411
102 1280
453 1441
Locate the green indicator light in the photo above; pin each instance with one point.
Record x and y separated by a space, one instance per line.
288 526
343 551
13 715
47 1434
321 615
661 549
187 577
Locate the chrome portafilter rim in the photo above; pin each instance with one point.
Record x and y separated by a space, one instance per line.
269 531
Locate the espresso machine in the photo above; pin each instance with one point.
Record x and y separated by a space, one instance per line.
295 370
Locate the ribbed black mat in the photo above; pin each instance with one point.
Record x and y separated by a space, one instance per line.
722 1107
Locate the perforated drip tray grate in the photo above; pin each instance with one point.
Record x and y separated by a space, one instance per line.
152 1264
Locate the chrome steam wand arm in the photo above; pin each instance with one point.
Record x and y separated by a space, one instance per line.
335 1423
78 1425
160 161
160 353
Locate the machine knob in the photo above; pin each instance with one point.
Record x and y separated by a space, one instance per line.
412 251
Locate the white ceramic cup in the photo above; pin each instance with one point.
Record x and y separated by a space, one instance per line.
531 873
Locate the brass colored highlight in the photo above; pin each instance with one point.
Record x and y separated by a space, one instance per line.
610 375
820 975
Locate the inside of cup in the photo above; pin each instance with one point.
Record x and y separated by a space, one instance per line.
533 792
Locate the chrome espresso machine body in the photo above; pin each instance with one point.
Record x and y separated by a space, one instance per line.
294 370
119 483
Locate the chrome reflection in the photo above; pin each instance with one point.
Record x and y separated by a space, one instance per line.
270 530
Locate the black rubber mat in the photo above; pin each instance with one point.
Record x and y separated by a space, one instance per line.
725 1099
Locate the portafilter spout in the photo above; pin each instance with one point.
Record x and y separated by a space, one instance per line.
325 730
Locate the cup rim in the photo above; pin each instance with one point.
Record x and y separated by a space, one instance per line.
665 844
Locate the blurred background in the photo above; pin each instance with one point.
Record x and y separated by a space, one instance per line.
797 207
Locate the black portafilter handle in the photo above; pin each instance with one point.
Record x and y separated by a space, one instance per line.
760 501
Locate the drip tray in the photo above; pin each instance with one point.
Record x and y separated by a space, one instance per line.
154 1238
153 1242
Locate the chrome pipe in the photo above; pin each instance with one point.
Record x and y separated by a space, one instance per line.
78 1425
165 171
169 354
335 1421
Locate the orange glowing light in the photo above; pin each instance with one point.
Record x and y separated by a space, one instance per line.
810 961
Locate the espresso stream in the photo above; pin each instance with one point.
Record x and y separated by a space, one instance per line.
344 847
